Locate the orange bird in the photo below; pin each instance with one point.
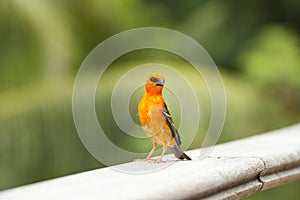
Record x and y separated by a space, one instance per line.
156 119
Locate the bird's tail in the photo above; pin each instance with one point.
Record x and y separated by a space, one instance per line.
179 153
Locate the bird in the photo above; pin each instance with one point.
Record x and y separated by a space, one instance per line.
157 121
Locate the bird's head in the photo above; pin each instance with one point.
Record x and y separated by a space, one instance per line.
155 83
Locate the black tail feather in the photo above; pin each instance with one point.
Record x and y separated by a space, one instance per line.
179 153
184 156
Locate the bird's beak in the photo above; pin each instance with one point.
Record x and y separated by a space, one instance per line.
160 82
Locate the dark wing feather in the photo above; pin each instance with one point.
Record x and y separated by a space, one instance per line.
171 125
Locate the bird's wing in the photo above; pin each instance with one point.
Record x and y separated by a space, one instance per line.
171 124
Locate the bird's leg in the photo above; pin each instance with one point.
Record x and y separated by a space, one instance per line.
152 151
162 154
149 155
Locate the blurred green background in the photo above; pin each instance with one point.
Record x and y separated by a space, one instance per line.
256 45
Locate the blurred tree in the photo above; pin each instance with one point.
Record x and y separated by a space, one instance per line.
223 27
94 21
37 42
272 60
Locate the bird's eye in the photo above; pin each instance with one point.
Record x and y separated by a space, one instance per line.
153 79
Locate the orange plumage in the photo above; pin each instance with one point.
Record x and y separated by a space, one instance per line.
156 119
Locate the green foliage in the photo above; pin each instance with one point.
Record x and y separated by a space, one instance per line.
272 60
274 56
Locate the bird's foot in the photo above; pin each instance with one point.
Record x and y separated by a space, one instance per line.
150 160
160 161
144 160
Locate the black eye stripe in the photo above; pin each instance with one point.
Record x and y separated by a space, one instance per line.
153 79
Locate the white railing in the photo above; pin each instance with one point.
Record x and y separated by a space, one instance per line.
231 171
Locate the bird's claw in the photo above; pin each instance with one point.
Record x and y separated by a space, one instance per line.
150 160
160 161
